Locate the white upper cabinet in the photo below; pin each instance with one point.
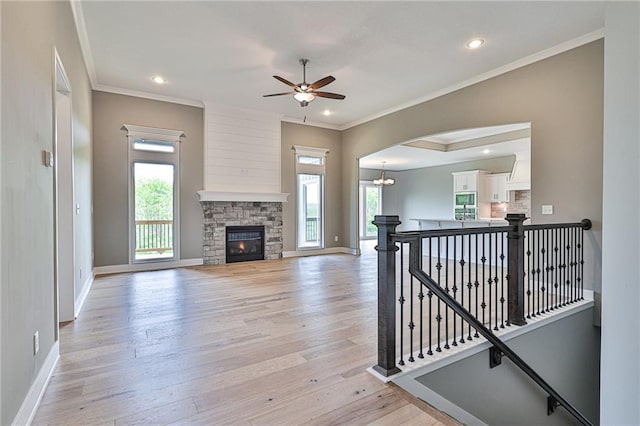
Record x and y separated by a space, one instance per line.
467 181
496 185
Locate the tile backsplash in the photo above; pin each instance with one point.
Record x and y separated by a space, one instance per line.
520 203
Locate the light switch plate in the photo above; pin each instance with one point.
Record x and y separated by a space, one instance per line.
547 209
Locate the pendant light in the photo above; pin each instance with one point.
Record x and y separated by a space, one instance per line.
384 181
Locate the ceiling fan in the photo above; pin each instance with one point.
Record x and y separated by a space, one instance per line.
305 92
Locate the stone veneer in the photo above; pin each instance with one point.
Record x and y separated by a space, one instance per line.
220 214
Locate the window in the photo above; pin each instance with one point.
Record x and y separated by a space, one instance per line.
153 194
310 176
370 205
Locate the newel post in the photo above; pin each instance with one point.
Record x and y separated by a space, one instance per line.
515 271
386 249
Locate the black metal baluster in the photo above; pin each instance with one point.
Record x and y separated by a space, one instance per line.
529 268
411 323
455 287
476 283
489 282
495 282
570 256
439 316
502 299
462 286
421 297
548 268
483 259
556 296
536 260
581 277
533 273
401 300
569 266
541 275
469 285
563 291
446 288
430 296
574 263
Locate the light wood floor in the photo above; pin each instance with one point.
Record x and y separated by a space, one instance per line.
268 343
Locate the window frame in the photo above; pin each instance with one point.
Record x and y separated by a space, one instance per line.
306 168
135 155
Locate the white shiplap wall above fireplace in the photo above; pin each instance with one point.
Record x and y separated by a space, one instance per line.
242 155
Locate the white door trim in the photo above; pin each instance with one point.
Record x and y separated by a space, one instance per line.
63 193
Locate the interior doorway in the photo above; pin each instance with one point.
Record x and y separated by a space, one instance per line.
64 246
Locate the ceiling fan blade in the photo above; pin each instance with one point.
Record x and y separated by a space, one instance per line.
329 95
278 94
287 82
322 82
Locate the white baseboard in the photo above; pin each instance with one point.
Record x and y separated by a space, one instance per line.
138 267
31 402
316 252
84 292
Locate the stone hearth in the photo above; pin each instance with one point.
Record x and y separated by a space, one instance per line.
220 214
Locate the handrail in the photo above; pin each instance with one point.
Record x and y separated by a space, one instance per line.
407 235
414 269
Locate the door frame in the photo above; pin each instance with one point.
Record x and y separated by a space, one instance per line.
64 212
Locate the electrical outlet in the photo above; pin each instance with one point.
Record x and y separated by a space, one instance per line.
547 209
36 343
335 238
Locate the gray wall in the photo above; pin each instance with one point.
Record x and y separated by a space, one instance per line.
561 96
565 354
110 183
296 134
428 192
621 218
30 30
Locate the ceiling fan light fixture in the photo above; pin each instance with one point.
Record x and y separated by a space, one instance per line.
304 97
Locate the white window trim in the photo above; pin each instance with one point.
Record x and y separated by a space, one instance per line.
173 158
311 169
142 132
362 201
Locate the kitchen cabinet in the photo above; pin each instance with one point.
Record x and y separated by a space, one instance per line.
468 181
496 185
469 195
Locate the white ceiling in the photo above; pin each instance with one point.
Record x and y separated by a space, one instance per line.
479 144
384 55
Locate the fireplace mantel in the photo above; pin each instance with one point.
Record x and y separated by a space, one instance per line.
278 197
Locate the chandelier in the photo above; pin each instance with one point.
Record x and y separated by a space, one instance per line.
384 181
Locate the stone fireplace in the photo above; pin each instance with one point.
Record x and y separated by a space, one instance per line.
218 215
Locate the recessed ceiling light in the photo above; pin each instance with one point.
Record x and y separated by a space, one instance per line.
486 151
474 43
326 112
158 79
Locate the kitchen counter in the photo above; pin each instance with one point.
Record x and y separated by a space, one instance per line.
431 223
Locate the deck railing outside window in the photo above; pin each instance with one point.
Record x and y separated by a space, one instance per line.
311 229
154 236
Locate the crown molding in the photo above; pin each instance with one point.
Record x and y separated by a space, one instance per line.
81 29
528 60
145 95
